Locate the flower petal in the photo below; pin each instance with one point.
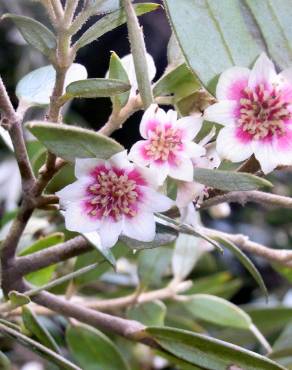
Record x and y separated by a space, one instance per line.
138 153
190 126
6 138
152 116
120 160
183 170
231 83
230 146
109 232
76 219
193 150
223 112
83 166
74 192
187 192
141 227
160 171
154 201
171 116
263 72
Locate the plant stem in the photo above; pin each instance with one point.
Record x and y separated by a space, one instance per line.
138 50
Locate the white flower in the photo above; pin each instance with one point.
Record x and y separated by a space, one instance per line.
255 108
10 184
6 138
168 147
112 197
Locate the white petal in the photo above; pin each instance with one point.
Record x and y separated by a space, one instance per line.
189 215
136 153
222 112
83 166
141 227
160 171
190 125
109 232
263 72
74 192
187 192
150 175
120 160
266 155
184 171
231 83
231 148
6 138
77 220
171 116
154 201
152 114
151 67
194 150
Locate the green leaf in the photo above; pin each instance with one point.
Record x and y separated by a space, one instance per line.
71 142
36 88
208 352
228 180
18 299
44 275
211 34
4 362
273 17
247 263
34 33
110 22
148 313
117 71
93 350
217 311
152 264
282 349
33 325
95 88
179 82
38 348
94 239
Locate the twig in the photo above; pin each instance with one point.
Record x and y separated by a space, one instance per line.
58 9
242 197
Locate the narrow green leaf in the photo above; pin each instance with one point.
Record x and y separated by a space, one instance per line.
117 71
228 180
207 352
148 313
44 275
273 17
38 348
110 22
70 142
95 88
33 325
34 33
247 263
201 24
94 240
179 82
4 362
93 350
217 311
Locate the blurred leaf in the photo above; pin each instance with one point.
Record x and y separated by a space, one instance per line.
38 348
110 22
103 6
33 325
18 299
247 263
34 33
117 71
208 352
94 240
229 180
273 17
93 350
152 264
44 275
179 82
217 311
4 362
95 88
282 348
148 313
211 34
36 87
80 143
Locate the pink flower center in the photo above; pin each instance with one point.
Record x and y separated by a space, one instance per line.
113 194
262 112
163 143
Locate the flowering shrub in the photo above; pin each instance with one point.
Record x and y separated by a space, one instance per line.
113 239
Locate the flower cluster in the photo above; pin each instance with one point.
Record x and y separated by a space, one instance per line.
121 195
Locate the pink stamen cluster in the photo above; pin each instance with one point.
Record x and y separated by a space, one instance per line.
163 143
263 112
113 193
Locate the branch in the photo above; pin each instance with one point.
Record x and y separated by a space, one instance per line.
243 197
